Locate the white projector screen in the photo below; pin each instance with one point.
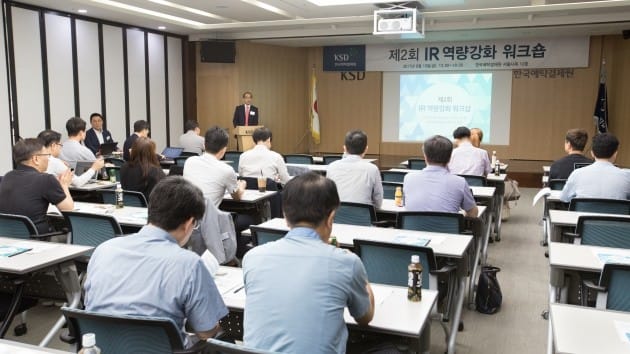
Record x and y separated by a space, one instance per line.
417 106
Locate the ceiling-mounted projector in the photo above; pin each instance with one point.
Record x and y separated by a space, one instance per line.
399 21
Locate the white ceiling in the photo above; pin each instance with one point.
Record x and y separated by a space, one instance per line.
301 23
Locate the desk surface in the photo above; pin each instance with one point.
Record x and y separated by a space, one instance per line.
318 168
128 216
443 245
570 218
578 330
320 159
42 255
490 177
11 347
389 206
393 312
251 196
581 258
94 185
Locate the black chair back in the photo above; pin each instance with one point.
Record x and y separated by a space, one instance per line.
475 181
431 221
599 205
557 184
331 158
262 235
355 214
389 189
393 176
303 159
416 164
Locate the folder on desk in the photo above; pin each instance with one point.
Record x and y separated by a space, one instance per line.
10 251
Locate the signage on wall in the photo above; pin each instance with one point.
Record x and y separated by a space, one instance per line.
352 75
344 58
504 54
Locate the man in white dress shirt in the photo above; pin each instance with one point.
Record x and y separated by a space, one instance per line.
467 159
260 160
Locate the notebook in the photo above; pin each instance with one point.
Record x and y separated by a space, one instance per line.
172 152
10 251
107 148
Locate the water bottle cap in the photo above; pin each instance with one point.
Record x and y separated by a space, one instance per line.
89 340
415 258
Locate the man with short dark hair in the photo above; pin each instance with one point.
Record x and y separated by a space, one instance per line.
140 129
191 141
150 274
574 143
56 167
357 180
73 149
97 134
209 173
434 188
601 179
297 287
28 190
246 113
467 159
261 160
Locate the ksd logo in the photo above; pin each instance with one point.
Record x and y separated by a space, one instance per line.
352 76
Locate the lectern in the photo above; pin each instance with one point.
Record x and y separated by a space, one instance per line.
244 136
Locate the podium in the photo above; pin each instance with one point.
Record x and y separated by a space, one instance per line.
244 136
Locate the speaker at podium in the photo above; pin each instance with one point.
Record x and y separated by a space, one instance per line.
244 134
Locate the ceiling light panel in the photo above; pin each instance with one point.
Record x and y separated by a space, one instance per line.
147 12
192 10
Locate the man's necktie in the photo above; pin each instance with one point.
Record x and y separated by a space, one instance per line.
246 115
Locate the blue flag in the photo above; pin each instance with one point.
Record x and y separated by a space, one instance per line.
601 105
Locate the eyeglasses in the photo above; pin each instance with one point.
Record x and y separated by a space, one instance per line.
196 224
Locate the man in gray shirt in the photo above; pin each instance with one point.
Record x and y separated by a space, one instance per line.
191 141
358 181
73 149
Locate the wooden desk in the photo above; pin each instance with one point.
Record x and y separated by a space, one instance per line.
127 216
43 256
393 313
11 347
583 330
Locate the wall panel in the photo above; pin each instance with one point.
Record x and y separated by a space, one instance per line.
175 89
157 84
88 63
60 72
6 163
136 77
114 82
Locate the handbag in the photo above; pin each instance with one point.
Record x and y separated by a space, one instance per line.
489 296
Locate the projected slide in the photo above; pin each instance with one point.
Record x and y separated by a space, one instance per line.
433 104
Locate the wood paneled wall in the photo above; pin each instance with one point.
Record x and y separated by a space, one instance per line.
542 110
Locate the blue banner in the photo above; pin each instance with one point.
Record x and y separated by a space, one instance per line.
344 58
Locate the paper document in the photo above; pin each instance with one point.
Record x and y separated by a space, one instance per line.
543 192
381 294
623 330
413 240
10 251
612 256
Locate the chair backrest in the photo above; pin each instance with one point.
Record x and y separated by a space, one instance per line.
557 184
393 176
330 158
262 235
355 214
115 171
252 183
130 198
91 229
616 279
125 334
180 160
389 189
216 346
577 165
597 205
416 164
299 158
233 156
188 154
115 161
604 231
432 221
175 170
386 263
17 226
475 181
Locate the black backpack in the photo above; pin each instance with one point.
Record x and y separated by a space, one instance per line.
489 296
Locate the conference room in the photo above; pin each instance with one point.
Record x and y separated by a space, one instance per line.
523 71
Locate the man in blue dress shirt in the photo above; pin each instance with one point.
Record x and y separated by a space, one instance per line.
149 274
297 287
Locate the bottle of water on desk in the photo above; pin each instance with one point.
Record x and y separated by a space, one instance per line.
119 196
414 290
398 197
89 344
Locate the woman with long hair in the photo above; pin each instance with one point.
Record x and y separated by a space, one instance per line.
142 172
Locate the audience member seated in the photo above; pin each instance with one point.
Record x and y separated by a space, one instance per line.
434 188
142 172
602 179
149 274
97 135
28 190
56 167
476 137
297 287
467 159
191 141
260 160
140 129
73 149
357 181
574 144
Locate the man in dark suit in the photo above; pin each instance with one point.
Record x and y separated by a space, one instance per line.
246 114
97 135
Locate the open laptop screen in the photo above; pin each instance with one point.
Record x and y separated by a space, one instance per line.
172 152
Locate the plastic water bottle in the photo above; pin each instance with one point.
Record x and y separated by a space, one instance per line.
89 344
119 196
494 158
414 290
398 197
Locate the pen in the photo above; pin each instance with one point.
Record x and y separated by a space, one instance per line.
239 289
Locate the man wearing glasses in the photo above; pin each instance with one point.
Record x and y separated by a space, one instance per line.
28 190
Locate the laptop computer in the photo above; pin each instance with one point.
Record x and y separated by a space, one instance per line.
83 166
106 149
172 152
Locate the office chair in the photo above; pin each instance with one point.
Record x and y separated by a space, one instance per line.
389 189
180 160
262 235
602 231
577 165
299 158
91 229
355 214
474 181
130 198
431 221
233 156
416 164
613 289
393 176
330 158
20 226
123 334
599 205
556 184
